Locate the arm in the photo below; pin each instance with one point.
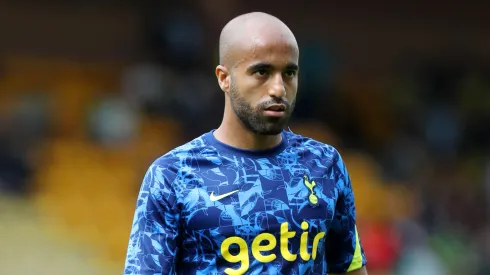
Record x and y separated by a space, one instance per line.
344 252
153 242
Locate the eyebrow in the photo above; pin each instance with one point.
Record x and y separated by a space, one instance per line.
268 66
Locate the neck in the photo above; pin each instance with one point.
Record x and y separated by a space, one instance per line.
232 132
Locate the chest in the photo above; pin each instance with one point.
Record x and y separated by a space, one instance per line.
240 196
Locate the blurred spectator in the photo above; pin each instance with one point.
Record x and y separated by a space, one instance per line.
421 260
147 86
195 102
382 245
443 130
14 169
112 122
402 156
20 134
319 64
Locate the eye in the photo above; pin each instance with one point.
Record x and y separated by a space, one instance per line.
291 73
261 72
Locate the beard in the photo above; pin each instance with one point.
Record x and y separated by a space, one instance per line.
253 118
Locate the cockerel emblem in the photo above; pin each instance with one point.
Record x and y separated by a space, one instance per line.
310 185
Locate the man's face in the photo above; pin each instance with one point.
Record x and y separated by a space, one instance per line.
263 87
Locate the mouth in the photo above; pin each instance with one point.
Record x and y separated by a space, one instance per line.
276 110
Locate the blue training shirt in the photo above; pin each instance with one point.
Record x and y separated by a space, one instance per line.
209 208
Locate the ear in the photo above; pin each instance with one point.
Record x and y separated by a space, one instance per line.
223 77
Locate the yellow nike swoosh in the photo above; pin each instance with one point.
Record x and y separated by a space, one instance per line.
212 197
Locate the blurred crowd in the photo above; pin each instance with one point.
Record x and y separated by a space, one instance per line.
415 137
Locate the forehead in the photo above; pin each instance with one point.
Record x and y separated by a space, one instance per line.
276 49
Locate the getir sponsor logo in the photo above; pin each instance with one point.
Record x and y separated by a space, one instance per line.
259 250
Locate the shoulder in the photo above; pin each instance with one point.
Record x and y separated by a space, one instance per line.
178 160
173 166
312 146
319 154
185 151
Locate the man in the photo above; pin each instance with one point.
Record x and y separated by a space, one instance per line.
249 197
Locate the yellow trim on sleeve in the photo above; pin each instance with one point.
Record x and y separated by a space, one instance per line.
356 262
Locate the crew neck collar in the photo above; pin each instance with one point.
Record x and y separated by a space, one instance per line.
223 147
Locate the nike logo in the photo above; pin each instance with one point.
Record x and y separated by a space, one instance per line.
212 197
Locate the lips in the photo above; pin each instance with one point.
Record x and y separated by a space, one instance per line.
276 108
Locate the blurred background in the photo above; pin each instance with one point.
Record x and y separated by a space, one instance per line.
91 92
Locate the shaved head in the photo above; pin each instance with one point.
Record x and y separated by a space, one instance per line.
258 71
250 30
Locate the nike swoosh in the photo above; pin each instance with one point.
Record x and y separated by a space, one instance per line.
212 197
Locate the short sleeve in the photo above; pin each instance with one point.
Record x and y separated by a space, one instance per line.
153 242
343 247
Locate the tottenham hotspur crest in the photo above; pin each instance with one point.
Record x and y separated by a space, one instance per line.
310 185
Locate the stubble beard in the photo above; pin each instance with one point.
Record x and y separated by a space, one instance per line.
253 118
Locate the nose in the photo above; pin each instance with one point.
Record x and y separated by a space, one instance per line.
277 88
